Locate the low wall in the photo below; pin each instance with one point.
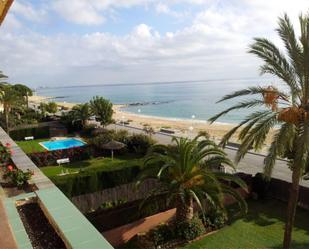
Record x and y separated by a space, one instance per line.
128 192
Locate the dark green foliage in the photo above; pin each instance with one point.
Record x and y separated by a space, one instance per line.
102 109
37 132
162 234
94 180
189 230
140 143
215 219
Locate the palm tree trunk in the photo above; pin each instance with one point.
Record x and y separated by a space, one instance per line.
292 205
184 210
7 122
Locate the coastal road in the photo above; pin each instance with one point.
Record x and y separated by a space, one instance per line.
252 163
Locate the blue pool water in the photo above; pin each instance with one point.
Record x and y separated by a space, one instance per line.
62 144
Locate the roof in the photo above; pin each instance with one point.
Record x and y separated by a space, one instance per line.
4 7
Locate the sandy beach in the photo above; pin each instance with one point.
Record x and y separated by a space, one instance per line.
181 126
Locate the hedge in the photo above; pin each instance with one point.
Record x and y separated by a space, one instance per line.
36 132
94 180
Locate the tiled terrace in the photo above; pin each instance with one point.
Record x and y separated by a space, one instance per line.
72 226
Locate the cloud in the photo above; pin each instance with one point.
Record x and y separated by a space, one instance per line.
27 11
213 45
162 8
90 12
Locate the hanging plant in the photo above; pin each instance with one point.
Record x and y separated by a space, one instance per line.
292 115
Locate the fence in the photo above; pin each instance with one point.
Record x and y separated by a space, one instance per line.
127 192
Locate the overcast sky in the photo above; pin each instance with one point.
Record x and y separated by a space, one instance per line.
79 42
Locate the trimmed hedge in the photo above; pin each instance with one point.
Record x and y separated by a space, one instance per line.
94 180
36 132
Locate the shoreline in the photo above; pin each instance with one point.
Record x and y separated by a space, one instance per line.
181 126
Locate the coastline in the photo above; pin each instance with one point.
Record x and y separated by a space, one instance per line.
181 126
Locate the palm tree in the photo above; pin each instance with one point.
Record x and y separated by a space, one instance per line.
81 113
9 98
185 173
24 91
290 112
102 109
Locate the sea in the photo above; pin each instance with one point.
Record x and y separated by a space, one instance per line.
173 100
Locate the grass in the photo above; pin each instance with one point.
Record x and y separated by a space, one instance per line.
31 146
263 227
99 163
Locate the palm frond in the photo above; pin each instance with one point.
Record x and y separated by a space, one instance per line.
241 105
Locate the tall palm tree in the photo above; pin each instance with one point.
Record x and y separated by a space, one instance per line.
185 173
81 112
289 111
9 98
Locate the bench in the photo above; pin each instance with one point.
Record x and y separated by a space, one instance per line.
163 130
63 160
29 138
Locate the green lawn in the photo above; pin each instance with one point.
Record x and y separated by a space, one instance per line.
99 163
32 145
261 228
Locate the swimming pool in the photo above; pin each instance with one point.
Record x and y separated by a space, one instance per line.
62 144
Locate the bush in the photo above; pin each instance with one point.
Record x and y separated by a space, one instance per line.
189 230
36 132
162 234
140 143
215 219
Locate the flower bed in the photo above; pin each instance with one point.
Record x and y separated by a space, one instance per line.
13 180
41 234
48 158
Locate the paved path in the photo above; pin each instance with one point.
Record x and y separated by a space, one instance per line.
252 163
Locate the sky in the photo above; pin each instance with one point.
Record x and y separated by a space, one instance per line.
80 42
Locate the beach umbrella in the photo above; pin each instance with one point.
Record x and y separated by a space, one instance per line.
113 145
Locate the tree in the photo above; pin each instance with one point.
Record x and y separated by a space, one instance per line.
9 98
51 107
148 130
185 173
102 109
290 112
24 91
81 113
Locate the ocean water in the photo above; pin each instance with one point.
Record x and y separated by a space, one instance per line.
177 100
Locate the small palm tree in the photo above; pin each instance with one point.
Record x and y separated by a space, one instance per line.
81 112
290 112
185 173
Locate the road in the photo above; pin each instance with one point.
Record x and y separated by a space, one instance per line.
252 163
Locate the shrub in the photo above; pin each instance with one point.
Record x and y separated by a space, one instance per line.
140 143
88 130
17 176
190 230
215 219
37 132
162 234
